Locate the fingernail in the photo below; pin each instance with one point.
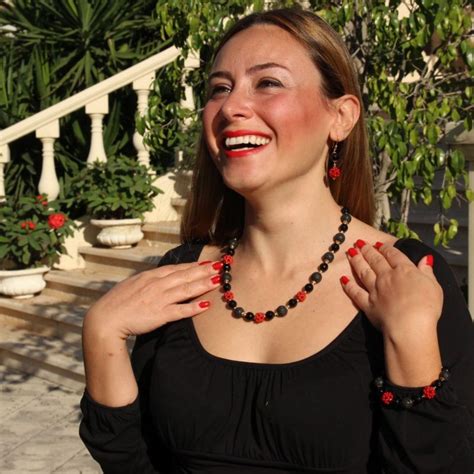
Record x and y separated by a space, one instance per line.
204 304
429 260
377 245
352 252
360 243
217 265
216 279
344 280
205 262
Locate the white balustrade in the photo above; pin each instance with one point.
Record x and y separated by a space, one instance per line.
4 159
142 87
96 110
48 182
190 63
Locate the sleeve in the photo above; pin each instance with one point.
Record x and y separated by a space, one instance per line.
120 438
436 436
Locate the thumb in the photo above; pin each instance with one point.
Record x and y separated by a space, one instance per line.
426 265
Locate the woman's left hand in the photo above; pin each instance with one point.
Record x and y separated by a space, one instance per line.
395 294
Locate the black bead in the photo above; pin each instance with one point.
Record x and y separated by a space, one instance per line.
238 312
233 241
328 257
232 304
346 218
323 267
437 384
407 402
292 302
339 238
344 210
334 247
316 277
281 311
379 382
226 267
269 315
397 401
226 287
249 316
230 252
343 227
445 374
226 277
308 288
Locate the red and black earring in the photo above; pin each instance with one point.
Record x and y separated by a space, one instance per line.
334 172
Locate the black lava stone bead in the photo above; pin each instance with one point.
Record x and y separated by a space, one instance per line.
226 277
230 252
343 227
323 267
226 287
249 316
232 304
308 288
292 302
269 315
328 257
226 267
339 238
346 218
238 312
407 402
334 247
281 311
345 210
316 277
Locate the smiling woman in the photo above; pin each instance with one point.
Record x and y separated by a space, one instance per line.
276 339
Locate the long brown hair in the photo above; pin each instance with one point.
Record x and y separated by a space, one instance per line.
215 213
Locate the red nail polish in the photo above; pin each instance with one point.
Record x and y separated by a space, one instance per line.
377 245
344 280
205 262
216 279
360 243
204 304
429 260
352 252
217 265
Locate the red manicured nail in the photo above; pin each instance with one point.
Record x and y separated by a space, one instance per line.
429 260
352 252
216 279
205 262
344 280
360 243
377 245
217 265
204 304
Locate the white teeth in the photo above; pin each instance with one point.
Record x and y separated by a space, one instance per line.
246 139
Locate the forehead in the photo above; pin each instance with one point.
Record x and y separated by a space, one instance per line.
261 44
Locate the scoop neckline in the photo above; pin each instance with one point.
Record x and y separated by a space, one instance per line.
189 323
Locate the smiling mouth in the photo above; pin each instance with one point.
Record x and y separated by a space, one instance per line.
245 142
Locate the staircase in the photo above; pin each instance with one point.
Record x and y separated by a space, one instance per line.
42 335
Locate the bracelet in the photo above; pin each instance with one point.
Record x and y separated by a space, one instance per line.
388 398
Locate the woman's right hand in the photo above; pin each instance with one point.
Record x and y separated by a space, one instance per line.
150 299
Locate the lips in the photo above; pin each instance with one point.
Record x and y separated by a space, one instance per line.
240 143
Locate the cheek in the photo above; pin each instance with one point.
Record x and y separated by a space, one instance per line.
208 116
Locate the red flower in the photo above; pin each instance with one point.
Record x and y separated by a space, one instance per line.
387 397
45 203
31 225
56 221
301 296
335 172
429 392
228 259
23 225
259 318
39 197
228 295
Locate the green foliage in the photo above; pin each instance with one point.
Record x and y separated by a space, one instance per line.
121 188
32 232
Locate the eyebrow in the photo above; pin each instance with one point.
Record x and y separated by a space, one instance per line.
250 70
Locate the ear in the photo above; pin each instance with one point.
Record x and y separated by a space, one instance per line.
347 111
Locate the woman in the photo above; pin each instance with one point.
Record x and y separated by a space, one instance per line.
259 338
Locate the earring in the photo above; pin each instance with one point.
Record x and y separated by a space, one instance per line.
334 172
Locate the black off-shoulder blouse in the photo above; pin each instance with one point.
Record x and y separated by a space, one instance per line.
200 414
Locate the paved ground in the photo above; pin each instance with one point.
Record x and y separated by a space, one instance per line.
39 427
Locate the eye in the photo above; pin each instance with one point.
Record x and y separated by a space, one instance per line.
219 89
269 83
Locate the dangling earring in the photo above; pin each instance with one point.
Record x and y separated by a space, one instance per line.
334 172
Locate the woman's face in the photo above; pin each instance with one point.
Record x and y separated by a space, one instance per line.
266 121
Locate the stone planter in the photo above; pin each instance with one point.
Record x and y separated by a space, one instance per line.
119 233
22 283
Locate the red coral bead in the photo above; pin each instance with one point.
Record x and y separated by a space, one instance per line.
429 392
228 295
334 172
387 397
301 296
228 259
259 318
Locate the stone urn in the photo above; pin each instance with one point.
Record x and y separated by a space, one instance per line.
22 283
119 233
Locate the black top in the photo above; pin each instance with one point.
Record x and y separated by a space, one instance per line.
198 413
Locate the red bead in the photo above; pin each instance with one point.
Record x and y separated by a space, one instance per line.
429 392
387 397
334 172
259 318
228 295
228 259
301 296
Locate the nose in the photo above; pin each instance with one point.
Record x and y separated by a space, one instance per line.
237 105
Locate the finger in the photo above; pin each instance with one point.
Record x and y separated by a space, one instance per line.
376 260
358 295
186 310
186 290
166 270
426 266
394 257
361 269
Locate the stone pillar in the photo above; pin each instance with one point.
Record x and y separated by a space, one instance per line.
4 159
96 110
48 183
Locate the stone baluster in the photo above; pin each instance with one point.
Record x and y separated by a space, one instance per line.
48 183
4 159
96 110
142 87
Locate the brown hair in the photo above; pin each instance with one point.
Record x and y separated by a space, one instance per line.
214 212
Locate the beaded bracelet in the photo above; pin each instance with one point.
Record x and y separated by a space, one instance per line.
388 398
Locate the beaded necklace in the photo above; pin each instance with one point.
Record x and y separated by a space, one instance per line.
299 297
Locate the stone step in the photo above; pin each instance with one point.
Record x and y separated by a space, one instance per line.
164 231
179 203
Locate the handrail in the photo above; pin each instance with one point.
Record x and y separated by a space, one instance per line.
86 96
